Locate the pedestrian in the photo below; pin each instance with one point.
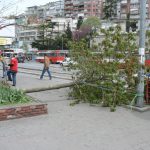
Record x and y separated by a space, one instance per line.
4 65
13 69
46 67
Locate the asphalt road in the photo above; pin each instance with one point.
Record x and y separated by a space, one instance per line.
34 68
39 66
28 77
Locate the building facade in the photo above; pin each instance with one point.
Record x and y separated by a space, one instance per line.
84 8
26 30
93 8
131 7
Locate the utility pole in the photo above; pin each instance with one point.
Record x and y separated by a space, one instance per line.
62 44
128 16
140 88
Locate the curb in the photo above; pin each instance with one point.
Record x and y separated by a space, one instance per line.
143 109
21 111
47 88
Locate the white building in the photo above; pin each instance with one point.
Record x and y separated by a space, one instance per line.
62 24
27 29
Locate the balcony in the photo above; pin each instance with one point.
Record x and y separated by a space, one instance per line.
123 16
123 2
134 11
76 3
136 16
68 3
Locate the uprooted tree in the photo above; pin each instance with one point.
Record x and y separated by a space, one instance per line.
106 77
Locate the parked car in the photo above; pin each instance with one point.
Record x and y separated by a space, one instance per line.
67 62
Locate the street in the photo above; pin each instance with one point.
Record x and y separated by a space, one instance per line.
28 77
37 67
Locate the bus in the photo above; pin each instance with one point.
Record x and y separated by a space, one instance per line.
55 56
7 52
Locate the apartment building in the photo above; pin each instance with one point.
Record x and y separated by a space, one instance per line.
51 9
54 9
85 8
68 8
131 7
62 23
93 8
27 31
78 8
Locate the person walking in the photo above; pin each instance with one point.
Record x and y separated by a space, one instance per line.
13 69
46 67
4 65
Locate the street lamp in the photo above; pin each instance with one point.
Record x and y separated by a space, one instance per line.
140 88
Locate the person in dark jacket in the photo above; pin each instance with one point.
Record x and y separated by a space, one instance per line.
13 70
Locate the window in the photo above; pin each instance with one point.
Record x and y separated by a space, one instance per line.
53 54
61 54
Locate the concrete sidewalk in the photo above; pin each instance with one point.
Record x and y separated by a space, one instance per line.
81 127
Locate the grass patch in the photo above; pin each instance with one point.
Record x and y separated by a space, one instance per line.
9 96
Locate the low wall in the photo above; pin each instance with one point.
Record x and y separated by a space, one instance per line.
29 110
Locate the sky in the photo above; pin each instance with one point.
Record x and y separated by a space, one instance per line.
16 7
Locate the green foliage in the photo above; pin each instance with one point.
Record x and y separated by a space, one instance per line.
11 96
89 29
110 7
106 77
68 32
79 23
133 25
47 40
91 22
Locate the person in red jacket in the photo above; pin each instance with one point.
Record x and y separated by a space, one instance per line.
13 70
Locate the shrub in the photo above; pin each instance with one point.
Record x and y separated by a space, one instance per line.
11 96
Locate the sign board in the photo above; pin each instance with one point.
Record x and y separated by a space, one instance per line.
5 41
141 51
